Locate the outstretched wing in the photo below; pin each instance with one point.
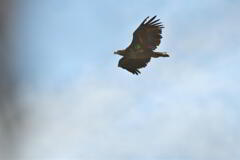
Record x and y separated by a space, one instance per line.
132 65
147 35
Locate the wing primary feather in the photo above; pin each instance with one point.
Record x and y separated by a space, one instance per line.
144 20
151 20
158 25
152 23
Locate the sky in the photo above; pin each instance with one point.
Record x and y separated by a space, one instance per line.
78 104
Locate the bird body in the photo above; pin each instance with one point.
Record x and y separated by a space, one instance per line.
146 38
138 54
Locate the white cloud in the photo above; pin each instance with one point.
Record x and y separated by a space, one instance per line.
98 121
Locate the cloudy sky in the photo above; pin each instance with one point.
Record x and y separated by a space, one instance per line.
78 105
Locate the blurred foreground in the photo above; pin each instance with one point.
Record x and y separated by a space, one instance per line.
10 119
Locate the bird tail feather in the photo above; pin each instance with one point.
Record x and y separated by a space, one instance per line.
160 54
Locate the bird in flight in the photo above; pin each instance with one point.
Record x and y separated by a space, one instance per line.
146 38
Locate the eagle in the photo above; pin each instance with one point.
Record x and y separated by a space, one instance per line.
145 40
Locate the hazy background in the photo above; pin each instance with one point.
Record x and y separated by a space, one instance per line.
76 104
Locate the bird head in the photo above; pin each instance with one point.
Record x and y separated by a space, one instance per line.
120 52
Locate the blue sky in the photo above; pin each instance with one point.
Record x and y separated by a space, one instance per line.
80 105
